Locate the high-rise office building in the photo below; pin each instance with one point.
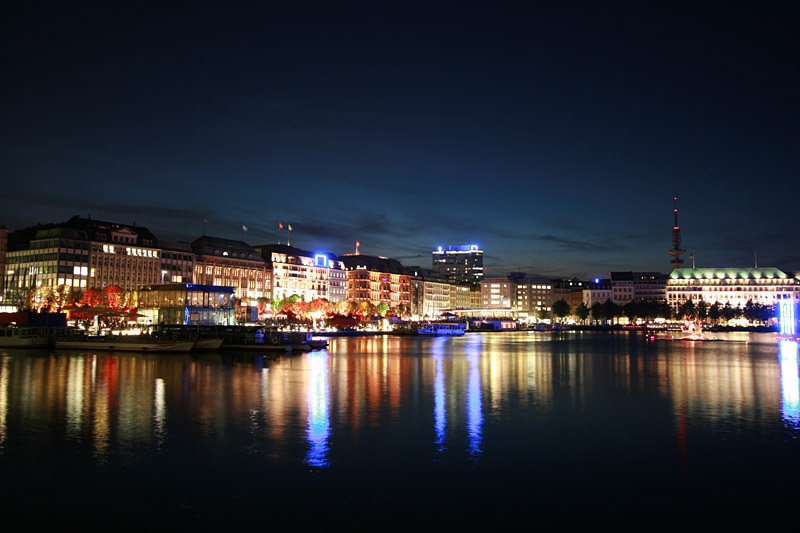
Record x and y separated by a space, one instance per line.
461 263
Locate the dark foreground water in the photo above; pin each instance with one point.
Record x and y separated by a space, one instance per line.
528 428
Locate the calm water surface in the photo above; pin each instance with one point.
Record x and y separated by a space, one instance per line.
531 428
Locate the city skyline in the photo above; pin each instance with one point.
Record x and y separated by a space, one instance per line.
555 137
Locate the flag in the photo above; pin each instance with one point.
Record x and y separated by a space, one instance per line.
280 225
290 227
244 228
691 256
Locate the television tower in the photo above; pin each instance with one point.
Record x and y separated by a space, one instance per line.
676 241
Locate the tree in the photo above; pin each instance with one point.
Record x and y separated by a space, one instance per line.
597 311
543 314
561 309
115 297
383 309
715 312
610 310
92 298
582 312
63 296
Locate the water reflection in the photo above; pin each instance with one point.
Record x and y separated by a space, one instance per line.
3 400
790 383
439 394
318 410
474 405
160 415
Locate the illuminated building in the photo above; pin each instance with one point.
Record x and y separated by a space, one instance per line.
734 286
460 263
177 262
82 253
378 280
569 290
524 297
187 304
122 256
497 293
228 263
309 275
598 292
461 297
430 292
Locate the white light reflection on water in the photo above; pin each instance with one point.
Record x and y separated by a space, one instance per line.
439 394
474 404
160 414
318 410
790 382
3 400
75 395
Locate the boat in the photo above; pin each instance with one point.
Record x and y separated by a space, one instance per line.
121 344
208 345
24 337
434 328
31 336
318 343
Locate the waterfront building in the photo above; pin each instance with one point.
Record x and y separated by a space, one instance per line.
120 255
378 280
305 274
524 297
430 293
177 262
533 297
81 253
569 290
461 297
598 292
731 286
187 304
459 263
228 263
497 293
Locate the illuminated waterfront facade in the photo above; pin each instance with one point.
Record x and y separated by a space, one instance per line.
122 256
430 293
734 286
459 263
229 263
177 262
82 254
305 274
187 304
378 280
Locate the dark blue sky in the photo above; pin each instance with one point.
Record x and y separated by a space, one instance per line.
555 135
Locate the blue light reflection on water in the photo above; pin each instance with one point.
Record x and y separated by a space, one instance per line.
318 431
474 404
439 394
790 383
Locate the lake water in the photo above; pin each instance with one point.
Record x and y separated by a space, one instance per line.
490 428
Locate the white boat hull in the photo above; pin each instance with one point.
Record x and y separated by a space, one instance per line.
183 347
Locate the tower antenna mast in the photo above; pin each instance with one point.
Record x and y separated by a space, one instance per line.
676 241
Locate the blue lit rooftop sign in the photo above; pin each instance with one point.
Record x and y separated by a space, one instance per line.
321 260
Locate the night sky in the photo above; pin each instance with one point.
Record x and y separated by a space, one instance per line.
554 135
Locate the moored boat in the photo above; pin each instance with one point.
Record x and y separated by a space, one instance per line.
124 345
434 328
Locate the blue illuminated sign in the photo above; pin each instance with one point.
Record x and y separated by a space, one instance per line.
321 260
